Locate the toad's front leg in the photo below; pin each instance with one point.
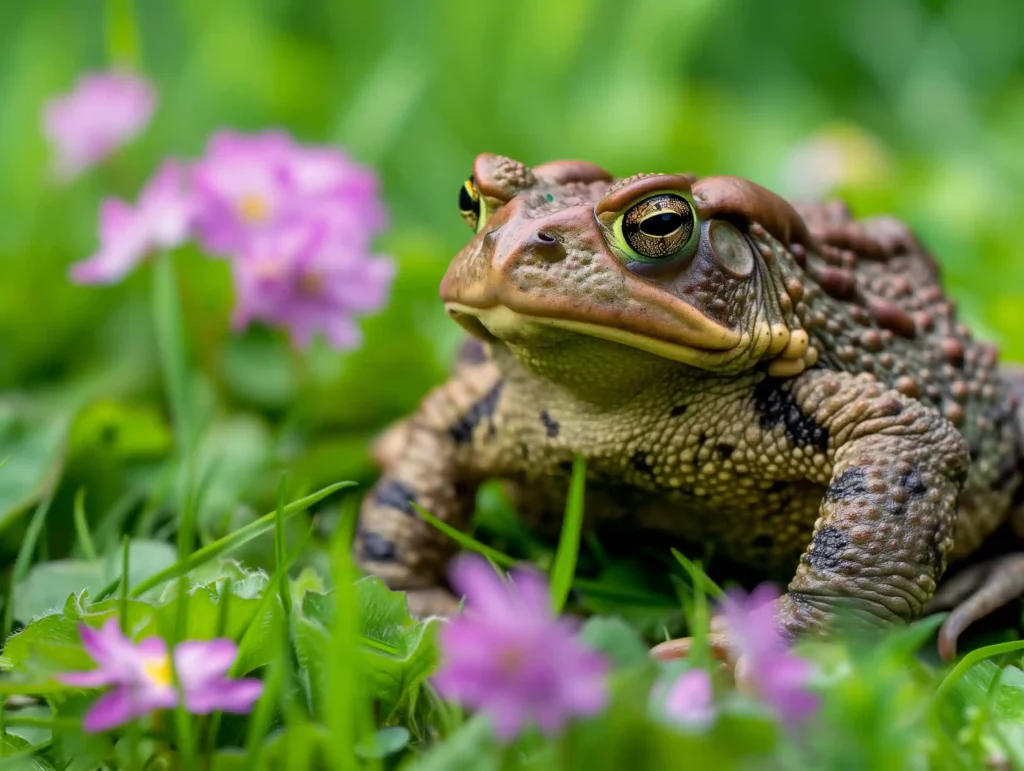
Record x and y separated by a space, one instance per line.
889 514
428 464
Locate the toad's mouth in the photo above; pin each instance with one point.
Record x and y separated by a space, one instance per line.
710 349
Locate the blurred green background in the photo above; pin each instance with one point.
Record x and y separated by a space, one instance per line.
914 107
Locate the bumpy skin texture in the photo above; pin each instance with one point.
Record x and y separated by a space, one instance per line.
807 402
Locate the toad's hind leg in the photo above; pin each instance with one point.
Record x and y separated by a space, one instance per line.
426 466
979 589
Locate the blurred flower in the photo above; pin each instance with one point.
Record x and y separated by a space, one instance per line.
141 677
689 699
103 112
510 657
161 220
306 277
835 158
248 185
777 676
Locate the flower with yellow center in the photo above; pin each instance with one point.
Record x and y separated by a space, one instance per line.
158 670
254 208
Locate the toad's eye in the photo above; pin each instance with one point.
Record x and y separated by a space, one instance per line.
659 227
470 204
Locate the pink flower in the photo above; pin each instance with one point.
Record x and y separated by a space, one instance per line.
141 677
305 276
247 185
103 112
510 657
689 699
778 677
161 220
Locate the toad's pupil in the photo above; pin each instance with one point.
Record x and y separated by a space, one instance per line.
661 224
467 202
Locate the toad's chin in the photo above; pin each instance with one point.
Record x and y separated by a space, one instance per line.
499 322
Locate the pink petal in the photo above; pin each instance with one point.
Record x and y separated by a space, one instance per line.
225 695
110 710
198 661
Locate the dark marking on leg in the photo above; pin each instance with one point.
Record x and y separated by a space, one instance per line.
725 450
392 494
472 351
776 406
827 548
914 484
847 486
678 410
639 461
461 431
550 424
376 548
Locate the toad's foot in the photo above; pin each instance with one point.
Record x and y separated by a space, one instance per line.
682 647
974 593
431 601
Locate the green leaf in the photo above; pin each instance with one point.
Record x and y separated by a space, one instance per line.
386 741
471 748
16 754
74 749
32 444
126 431
615 639
48 584
399 651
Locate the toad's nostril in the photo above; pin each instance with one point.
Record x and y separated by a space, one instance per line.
546 238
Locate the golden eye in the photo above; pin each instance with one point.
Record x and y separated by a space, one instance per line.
659 227
470 204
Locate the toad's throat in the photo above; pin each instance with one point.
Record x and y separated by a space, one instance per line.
500 322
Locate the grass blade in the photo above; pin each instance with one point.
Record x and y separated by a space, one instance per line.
234 540
564 568
969 661
82 527
24 559
467 542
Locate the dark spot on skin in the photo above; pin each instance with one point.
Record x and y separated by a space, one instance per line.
763 541
679 409
461 431
702 438
849 485
914 484
472 351
392 494
776 405
1007 473
639 461
376 548
550 424
828 545
725 450
778 487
